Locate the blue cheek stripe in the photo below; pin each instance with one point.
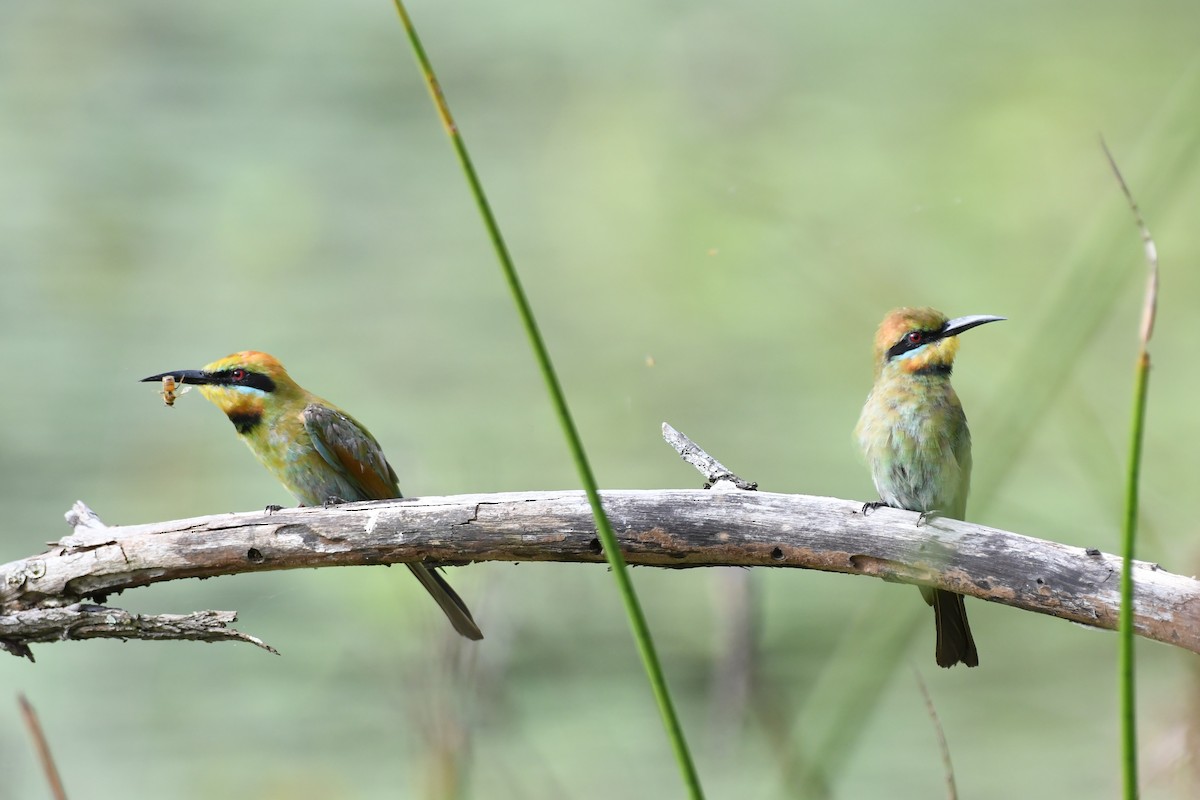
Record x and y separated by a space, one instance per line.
910 353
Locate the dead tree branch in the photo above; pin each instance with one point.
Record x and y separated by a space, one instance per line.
714 471
46 597
662 528
85 621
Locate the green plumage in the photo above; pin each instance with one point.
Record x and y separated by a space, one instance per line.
915 437
914 434
313 448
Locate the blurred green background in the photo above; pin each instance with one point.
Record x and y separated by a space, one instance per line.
712 205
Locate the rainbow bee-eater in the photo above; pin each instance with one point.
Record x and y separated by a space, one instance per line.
914 434
317 451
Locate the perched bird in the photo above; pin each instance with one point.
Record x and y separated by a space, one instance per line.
914 434
317 451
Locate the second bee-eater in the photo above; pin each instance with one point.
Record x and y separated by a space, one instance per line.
915 437
316 450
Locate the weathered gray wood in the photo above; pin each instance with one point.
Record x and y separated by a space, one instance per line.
664 528
714 471
84 621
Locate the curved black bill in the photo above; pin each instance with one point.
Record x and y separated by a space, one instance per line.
960 324
193 376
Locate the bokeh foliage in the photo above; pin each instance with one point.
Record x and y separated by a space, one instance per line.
711 205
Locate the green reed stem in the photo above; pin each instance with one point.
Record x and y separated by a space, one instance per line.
1125 667
1126 659
612 551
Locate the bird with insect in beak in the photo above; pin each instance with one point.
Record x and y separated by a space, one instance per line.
915 437
316 450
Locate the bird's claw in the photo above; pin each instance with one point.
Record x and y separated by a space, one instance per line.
871 506
926 516
331 501
271 509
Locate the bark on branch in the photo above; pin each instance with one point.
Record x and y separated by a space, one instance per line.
663 528
85 621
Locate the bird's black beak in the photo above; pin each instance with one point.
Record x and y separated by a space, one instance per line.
195 377
960 324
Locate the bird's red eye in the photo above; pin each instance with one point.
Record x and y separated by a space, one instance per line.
915 337
238 374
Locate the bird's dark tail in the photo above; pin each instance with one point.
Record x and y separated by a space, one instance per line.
454 607
954 641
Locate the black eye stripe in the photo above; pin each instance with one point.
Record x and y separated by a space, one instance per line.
255 380
904 345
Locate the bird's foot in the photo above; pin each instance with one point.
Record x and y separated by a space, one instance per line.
871 506
331 501
927 516
271 509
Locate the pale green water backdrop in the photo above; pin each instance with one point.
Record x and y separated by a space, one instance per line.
712 204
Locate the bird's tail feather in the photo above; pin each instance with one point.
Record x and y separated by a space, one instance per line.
453 606
954 641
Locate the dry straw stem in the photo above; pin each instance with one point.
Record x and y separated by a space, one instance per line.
662 528
943 746
43 748
1150 305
